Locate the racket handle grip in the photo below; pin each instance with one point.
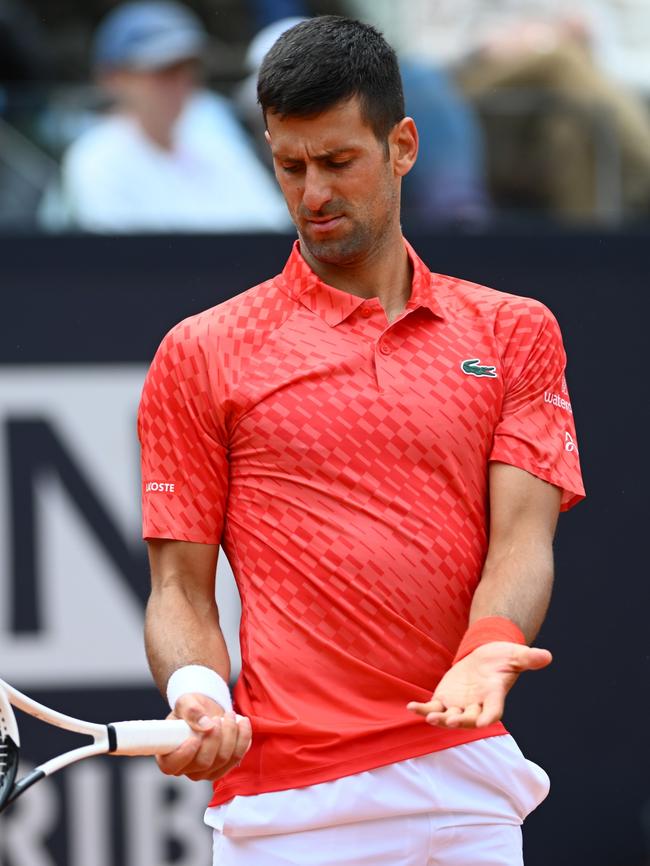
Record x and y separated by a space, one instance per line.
154 737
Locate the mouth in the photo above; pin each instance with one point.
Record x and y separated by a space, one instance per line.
324 224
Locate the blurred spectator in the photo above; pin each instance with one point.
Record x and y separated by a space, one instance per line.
24 66
267 12
246 94
560 132
447 183
620 39
171 156
23 48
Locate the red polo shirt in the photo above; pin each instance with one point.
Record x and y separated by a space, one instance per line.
342 462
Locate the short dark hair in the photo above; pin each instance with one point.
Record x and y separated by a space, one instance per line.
329 59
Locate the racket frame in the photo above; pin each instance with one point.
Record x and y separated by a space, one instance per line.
152 737
9 748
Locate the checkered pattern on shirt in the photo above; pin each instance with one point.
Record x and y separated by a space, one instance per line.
342 463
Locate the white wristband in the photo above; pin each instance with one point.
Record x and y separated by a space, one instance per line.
199 679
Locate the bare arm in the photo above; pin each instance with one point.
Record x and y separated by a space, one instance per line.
181 628
182 621
517 576
516 583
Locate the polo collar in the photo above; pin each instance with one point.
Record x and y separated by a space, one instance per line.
334 305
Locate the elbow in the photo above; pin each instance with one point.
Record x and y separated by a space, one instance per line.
171 597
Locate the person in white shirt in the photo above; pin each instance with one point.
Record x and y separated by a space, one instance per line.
171 156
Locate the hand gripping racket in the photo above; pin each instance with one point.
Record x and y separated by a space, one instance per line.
155 737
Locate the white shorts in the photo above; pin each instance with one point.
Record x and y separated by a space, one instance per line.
463 806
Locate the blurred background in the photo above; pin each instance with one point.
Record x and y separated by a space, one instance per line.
135 189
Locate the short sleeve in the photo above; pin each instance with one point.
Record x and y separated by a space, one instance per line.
183 445
536 429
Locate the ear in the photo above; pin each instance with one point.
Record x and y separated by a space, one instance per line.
267 136
403 142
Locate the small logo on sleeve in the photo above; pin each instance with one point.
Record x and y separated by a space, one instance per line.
569 443
472 367
159 487
558 401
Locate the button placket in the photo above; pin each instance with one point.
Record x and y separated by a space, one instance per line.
383 362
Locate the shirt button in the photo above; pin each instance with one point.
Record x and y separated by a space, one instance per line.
385 348
366 312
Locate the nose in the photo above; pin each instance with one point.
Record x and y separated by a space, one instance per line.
317 192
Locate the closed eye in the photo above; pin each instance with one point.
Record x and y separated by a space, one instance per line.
336 165
291 169
339 164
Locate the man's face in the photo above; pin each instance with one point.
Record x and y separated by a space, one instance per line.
158 93
341 187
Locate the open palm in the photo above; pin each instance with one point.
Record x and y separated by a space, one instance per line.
472 693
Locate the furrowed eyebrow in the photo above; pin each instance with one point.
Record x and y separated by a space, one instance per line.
328 154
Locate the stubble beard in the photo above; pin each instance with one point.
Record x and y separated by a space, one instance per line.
362 237
340 251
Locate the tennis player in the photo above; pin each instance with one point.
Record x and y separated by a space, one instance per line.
382 452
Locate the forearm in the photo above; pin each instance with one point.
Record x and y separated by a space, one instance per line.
516 583
182 630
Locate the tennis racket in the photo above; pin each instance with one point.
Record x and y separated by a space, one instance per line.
155 737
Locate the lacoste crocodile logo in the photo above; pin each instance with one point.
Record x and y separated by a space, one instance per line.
472 367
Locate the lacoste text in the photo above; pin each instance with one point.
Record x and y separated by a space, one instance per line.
556 400
159 487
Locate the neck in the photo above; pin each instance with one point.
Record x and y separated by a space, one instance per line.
159 133
384 272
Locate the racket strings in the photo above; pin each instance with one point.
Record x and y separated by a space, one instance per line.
8 757
4 761
4 748
5 756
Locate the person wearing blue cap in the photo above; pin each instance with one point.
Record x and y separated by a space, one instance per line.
171 156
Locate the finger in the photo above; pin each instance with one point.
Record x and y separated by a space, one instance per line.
207 757
213 774
236 751
447 719
451 719
244 738
174 763
436 718
538 658
229 754
435 705
456 717
193 711
492 710
524 658
229 734
470 716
